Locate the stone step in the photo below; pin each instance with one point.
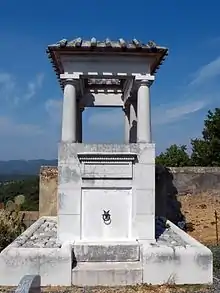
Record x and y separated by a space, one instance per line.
107 252
107 274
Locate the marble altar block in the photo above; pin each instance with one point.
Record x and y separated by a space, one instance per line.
103 193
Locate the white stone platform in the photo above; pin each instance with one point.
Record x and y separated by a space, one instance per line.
36 252
174 258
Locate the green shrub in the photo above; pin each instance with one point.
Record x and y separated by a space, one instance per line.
216 257
11 222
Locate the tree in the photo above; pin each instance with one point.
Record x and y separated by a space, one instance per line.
206 151
28 187
174 156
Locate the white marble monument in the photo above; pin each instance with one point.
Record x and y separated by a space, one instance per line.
104 233
118 179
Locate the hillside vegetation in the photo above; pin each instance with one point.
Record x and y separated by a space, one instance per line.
29 187
11 170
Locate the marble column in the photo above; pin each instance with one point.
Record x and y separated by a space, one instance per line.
69 133
143 112
133 122
126 123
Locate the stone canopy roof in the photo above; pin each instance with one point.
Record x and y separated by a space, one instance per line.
120 44
93 46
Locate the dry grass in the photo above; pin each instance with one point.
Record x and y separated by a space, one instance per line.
122 289
200 211
129 289
144 289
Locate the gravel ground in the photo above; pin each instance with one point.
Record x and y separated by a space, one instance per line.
165 235
44 237
46 234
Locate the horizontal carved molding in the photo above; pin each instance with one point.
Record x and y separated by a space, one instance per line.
106 158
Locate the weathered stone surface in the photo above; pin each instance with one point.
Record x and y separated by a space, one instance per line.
29 284
193 180
108 252
35 251
45 235
180 181
107 274
48 191
166 260
107 171
166 236
80 164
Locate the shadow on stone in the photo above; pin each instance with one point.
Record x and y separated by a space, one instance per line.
133 132
166 204
74 260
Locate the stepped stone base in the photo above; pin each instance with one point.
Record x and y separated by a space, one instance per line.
107 273
175 258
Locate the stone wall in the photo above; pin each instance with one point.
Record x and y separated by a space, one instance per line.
48 191
30 217
170 183
194 180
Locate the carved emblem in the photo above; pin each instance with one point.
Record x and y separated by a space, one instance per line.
106 217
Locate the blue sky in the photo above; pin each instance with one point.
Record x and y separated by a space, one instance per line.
186 86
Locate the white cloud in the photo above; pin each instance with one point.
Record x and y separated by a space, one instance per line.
163 114
33 86
193 99
169 113
206 72
54 109
9 127
11 91
7 85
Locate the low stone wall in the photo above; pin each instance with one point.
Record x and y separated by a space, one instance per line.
30 217
195 180
170 183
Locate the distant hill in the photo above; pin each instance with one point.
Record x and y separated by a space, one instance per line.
21 168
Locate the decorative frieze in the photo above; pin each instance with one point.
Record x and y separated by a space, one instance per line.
106 158
99 165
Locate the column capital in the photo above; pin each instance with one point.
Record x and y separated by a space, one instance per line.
70 81
145 82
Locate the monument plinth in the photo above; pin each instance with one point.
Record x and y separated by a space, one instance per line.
104 233
102 181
